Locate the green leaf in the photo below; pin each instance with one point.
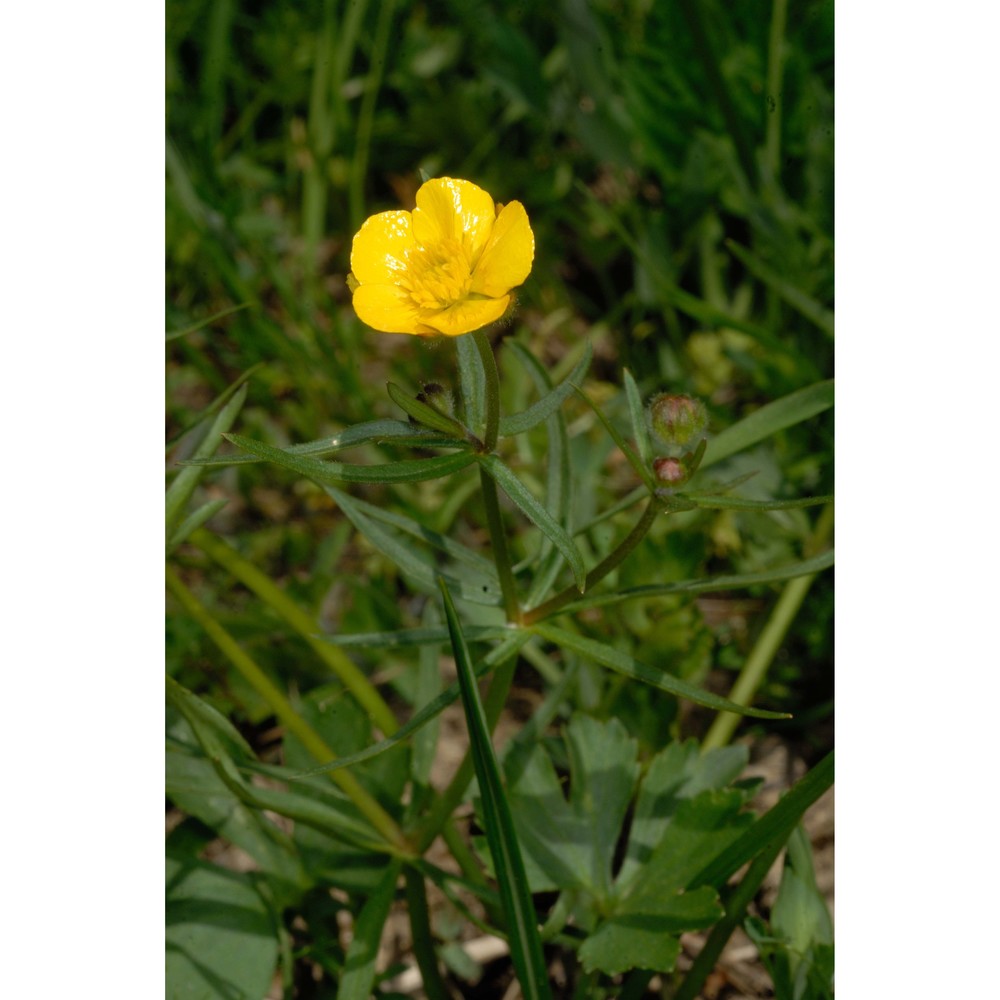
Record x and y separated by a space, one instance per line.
649 940
570 844
525 942
708 584
329 473
473 380
768 420
473 582
358 980
775 825
377 431
630 667
640 430
218 403
425 414
184 485
518 423
220 935
537 514
652 904
678 772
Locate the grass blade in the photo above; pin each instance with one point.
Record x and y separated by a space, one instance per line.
525 941
622 663
761 424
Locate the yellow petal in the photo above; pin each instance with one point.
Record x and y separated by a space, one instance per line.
381 248
388 308
449 209
506 260
464 317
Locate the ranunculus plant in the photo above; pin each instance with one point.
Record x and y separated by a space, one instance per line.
607 876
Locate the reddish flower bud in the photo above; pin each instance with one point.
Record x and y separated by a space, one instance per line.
671 471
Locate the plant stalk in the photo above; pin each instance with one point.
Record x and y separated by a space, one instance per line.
601 570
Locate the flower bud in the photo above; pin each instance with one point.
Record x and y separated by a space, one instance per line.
438 396
677 420
671 472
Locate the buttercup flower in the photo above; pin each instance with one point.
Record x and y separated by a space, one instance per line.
447 268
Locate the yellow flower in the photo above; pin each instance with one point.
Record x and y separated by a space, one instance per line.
448 267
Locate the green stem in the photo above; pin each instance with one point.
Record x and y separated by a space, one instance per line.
601 570
442 809
491 498
482 343
768 642
286 714
353 679
423 938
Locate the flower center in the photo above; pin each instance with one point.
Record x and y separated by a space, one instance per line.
439 275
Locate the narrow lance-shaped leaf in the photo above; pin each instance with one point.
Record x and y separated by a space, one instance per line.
424 413
327 473
631 667
373 431
709 584
537 514
768 420
525 941
518 423
477 586
638 414
473 381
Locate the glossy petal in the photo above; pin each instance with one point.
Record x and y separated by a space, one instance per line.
380 249
449 209
507 257
464 317
388 308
